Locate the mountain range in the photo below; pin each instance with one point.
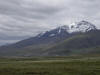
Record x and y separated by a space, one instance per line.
81 38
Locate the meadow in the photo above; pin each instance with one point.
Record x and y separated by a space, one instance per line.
50 66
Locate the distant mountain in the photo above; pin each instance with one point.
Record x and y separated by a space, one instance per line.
83 43
34 45
59 41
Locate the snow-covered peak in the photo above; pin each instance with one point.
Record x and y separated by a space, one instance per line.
82 26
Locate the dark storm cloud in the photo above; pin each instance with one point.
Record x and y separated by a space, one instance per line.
20 19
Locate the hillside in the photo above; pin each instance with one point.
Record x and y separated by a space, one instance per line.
83 43
75 39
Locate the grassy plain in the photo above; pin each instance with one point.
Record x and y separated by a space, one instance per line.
50 66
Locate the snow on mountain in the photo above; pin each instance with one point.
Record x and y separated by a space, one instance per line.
82 26
41 34
52 35
65 27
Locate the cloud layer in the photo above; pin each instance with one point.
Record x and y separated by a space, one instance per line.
20 19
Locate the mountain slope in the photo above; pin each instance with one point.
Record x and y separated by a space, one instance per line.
63 39
57 34
35 45
79 44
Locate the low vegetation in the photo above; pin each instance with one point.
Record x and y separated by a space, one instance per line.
50 66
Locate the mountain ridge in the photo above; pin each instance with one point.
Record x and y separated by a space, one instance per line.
40 44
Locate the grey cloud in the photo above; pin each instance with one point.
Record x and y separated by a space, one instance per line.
20 19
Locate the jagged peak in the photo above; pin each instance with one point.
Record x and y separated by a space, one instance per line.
82 26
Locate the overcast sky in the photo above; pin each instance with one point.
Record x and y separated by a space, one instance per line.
20 19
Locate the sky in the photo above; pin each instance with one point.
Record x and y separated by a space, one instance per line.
21 19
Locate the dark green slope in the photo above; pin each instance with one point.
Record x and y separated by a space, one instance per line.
84 43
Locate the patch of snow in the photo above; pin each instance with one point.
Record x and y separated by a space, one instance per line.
59 31
52 35
82 26
65 27
41 34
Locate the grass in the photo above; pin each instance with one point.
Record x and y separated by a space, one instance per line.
50 66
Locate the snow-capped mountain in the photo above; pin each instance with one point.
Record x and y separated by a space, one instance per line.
54 32
82 26
56 41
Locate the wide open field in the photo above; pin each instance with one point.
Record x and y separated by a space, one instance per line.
50 66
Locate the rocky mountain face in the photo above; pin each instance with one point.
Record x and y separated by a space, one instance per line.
82 26
58 41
